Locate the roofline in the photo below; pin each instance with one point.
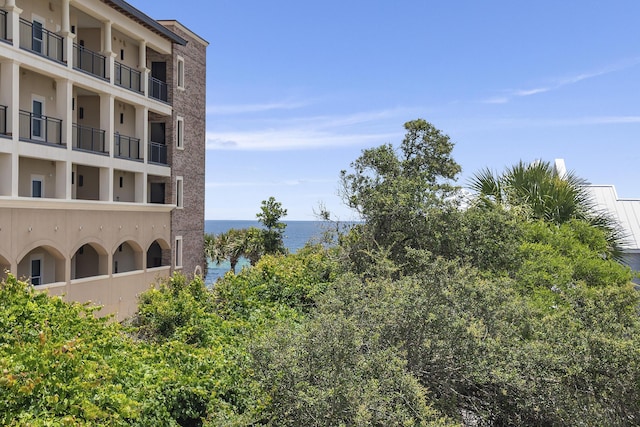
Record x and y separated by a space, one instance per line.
143 18
176 23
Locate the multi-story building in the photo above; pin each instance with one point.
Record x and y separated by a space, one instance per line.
102 146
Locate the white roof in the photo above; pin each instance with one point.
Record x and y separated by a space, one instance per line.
625 211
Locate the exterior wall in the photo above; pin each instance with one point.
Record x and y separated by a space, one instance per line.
127 192
29 167
118 294
99 216
189 162
40 86
128 127
130 48
67 228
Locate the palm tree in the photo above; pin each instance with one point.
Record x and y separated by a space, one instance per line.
541 192
226 246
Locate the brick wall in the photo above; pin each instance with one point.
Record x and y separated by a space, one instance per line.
190 104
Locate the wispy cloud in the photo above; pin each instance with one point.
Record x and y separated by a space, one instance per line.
254 184
290 139
255 108
298 133
561 82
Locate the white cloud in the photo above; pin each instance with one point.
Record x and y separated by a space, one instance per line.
254 184
529 92
360 129
254 108
290 139
561 82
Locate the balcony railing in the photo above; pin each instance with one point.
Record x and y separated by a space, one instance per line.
89 61
35 38
157 89
157 153
126 147
86 138
3 25
128 78
3 120
40 128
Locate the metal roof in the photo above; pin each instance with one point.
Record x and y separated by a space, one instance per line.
126 9
625 211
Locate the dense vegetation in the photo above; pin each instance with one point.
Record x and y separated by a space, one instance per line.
433 311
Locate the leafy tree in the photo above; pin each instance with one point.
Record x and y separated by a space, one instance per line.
540 192
270 215
396 191
59 365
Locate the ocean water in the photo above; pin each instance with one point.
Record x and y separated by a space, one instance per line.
296 235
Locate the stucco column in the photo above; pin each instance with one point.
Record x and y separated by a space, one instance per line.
65 31
65 28
13 21
106 120
142 129
64 101
10 95
141 187
107 50
10 76
142 132
63 180
106 184
142 66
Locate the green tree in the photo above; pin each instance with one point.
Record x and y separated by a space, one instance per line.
270 215
396 192
539 191
228 246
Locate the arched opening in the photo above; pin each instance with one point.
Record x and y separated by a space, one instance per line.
127 257
89 260
158 254
41 266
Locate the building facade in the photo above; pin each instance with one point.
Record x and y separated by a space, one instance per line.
102 149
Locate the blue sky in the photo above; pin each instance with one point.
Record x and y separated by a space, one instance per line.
296 89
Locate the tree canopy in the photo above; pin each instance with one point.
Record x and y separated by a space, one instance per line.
430 312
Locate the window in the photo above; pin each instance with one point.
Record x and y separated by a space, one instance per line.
179 192
37 186
180 73
178 263
37 34
180 133
36 270
37 121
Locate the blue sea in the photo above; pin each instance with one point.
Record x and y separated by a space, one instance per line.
296 235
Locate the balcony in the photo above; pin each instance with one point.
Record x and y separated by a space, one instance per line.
3 26
126 147
89 139
128 78
35 38
157 153
89 61
157 89
3 120
40 129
